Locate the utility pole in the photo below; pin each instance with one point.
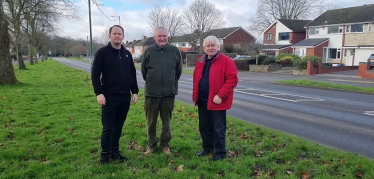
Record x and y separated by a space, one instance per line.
89 14
87 49
119 19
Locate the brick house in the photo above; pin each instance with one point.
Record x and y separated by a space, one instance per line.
340 36
142 45
281 34
229 38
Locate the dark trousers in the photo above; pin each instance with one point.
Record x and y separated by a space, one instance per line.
152 107
212 125
113 117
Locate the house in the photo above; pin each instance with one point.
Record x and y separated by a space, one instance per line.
142 45
130 46
282 34
229 38
340 36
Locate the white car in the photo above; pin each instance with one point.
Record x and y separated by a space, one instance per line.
242 57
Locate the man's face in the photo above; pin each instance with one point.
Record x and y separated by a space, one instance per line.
116 36
161 37
211 48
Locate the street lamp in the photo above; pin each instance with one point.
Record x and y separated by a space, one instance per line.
119 19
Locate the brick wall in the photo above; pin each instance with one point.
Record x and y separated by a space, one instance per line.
363 70
238 37
317 51
271 30
326 69
297 37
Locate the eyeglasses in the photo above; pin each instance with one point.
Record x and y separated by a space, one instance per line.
211 45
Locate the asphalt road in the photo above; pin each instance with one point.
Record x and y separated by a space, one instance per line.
339 120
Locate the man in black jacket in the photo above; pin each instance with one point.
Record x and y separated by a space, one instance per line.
113 63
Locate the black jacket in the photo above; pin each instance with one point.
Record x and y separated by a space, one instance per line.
113 71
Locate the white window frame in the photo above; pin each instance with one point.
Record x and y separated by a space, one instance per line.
345 53
369 28
349 29
340 29
269 36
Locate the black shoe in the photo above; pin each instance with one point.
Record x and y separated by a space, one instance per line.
203 153
217 158
116 155
104 158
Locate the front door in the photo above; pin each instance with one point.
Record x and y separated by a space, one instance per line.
350 54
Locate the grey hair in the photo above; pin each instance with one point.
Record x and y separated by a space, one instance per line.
211 38
160 28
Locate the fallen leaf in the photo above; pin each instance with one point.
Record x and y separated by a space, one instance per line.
58 141
180 168
289 172
71 118
221 174
358 174
243 136
305 175
139 125
70 129
18 90
6 125
1 144
25 159
75 133
326 163
46 161
113 174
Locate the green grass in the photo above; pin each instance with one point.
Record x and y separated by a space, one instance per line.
50 128
326 85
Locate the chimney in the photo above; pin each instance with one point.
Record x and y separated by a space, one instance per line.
144 37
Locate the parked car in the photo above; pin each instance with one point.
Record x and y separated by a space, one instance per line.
371 61
242 57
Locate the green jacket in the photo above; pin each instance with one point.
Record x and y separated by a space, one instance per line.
161 70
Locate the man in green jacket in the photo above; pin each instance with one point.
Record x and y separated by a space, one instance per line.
161 69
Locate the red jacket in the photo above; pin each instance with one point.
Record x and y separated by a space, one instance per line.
223 78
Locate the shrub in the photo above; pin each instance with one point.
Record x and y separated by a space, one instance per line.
302 63
286 58
269 60
261 58
314 59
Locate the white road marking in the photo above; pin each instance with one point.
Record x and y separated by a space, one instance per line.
271 94
370 113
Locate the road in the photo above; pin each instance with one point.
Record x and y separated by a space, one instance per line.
339 120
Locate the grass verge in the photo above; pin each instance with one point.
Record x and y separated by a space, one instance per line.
79 59
50 128
326 85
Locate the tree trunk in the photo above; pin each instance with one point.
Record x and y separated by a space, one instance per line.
7 75
31 55
21 63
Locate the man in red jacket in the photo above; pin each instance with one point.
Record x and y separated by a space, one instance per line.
214 80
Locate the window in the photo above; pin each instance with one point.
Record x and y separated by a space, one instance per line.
284 36
331 53
340 29
269 36
183 44
313 31
355 28
345 52
270 53
333 29
369 28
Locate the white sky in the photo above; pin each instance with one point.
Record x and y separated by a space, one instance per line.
134 14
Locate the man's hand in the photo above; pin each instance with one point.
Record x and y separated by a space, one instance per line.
134 98
101 99
217 100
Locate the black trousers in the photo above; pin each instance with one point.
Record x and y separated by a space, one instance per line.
113 117
212 125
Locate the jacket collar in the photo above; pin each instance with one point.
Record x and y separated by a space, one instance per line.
206 57
110 45
161 48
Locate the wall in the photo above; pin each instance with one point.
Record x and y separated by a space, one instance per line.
364 38
271 30
326 69
281 28
238 37
297 37
363 71
335 40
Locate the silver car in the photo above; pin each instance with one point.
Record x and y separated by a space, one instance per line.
371 61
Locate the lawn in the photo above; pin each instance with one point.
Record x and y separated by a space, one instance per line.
325 85
50 128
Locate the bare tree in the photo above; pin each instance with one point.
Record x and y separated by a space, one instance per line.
200 17
270 10
7 75
165 17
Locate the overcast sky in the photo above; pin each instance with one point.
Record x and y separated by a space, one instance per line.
134 13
